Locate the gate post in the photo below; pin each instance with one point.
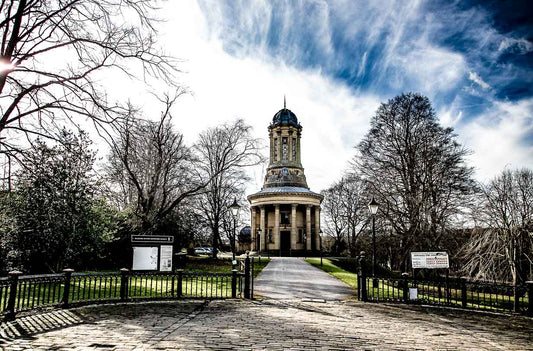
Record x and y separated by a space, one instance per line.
180 283
530 298
123 284
464 300
14 280
405 287
516 296
233 283
362 278
66 290
247 276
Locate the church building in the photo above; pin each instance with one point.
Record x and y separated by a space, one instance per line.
285 213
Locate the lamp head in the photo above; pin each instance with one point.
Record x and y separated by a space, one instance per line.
234 207
373 206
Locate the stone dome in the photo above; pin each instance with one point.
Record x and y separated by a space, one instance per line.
285 117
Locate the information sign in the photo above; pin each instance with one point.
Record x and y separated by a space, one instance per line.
145 258
152 239
165 260
432 260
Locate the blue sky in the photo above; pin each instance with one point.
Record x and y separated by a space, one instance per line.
337 60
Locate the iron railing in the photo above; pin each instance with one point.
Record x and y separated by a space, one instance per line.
20 293
452 292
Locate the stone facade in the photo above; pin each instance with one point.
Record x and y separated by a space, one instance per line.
285 210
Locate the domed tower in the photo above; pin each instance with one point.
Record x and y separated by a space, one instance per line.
285 213
285 166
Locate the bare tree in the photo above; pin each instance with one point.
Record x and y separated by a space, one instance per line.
345 212
224 153
152 169
50 53
334 215
416 171
501 247
355 204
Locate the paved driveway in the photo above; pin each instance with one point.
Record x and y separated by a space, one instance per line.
265 325
287 278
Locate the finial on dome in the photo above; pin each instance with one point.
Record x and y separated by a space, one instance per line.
284 102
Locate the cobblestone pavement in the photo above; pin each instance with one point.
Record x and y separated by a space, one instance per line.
265 325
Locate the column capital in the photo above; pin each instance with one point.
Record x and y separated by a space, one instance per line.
294 205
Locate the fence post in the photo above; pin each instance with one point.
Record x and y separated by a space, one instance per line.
14 280
362 278
233 283
464 300
247 276
66 290
405 287
530 298
516 297
252 279
180 282
124 284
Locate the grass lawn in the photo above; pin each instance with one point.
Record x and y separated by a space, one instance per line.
339 273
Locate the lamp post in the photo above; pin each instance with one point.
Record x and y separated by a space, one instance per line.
373 207
234 207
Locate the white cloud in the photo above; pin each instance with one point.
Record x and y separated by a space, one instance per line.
432 69
501 138
521 46
473 76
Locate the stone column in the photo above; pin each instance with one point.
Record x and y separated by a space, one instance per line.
308 227
254 231
264 233
270 135
298 156
317 227
294 228
276 228
289 141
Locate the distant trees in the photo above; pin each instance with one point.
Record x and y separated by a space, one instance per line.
55 215
344 212
223 154
501 246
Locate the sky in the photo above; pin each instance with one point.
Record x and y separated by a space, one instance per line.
336 61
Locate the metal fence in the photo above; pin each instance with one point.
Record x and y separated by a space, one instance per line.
23 293
453 292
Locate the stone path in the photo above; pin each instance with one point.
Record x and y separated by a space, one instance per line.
265 325
289 278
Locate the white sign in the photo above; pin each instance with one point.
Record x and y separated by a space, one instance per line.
413 293
437 259
145 258
165 261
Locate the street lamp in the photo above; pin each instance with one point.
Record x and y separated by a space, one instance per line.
234 207
373 207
